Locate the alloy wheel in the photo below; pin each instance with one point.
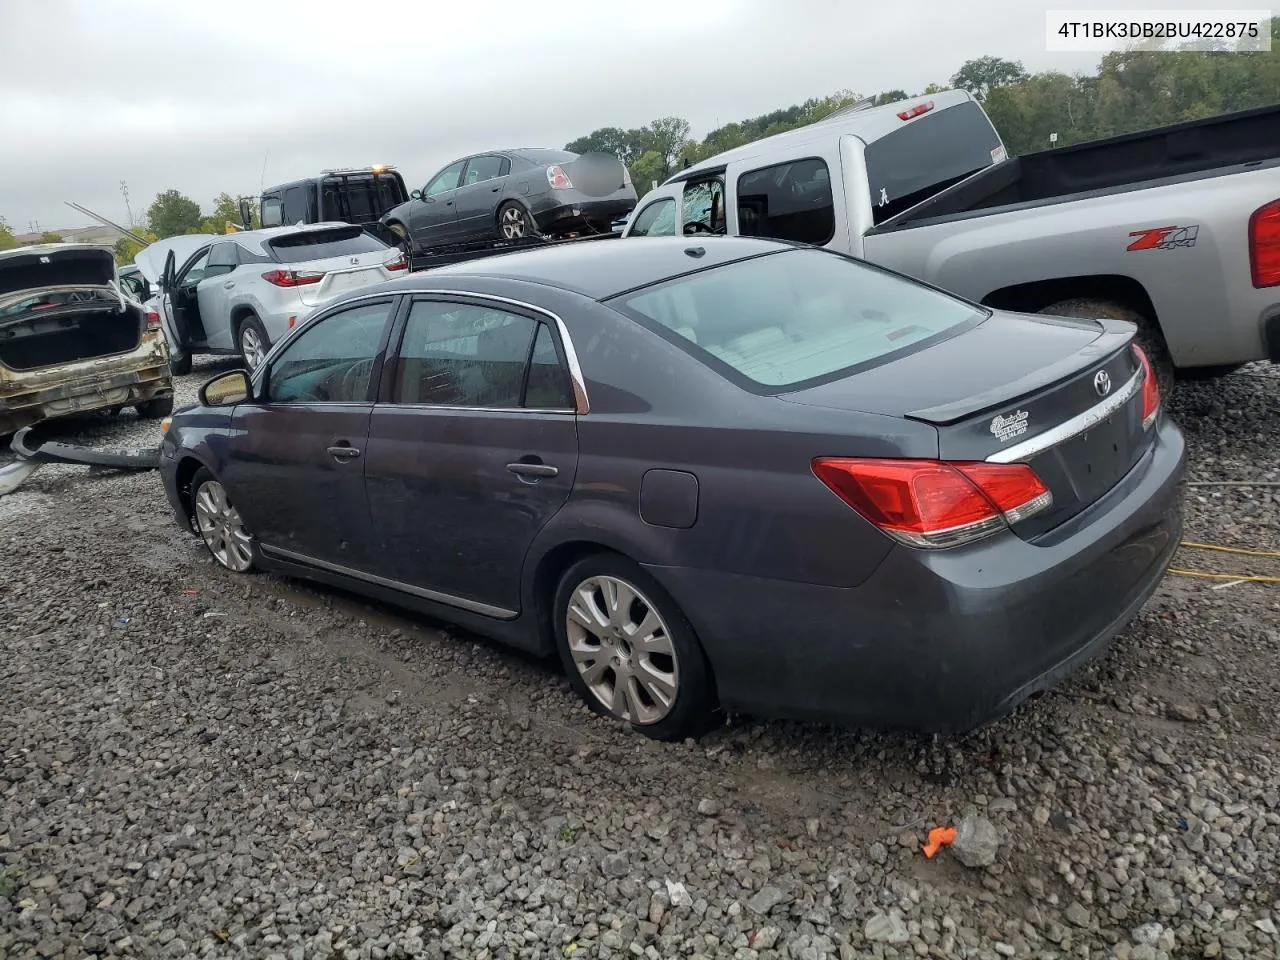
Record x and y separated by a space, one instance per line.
221 528
622 648
514 223
251 346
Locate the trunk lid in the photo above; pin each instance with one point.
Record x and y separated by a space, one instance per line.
596 174
46 265
1061 395
342 274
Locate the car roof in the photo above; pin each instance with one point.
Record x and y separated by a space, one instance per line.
867 124
600 269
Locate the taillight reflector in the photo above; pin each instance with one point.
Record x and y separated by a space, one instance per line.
915 111
1264 245
292 321
558 179
400 263
935 503
291 278
153 320
1150 389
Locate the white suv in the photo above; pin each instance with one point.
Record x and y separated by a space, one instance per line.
240 292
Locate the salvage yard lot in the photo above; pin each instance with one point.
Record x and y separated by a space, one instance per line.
193 763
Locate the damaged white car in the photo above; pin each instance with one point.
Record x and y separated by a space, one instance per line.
72 342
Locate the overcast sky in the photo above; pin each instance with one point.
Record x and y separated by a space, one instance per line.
164 93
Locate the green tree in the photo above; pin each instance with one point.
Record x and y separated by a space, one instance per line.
127 248
171 214
50 236
7 240
985 74
647 168
889 96
613 140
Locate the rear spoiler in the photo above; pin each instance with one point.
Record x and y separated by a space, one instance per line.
1112 336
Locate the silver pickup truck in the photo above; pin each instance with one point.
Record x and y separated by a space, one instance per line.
1176 229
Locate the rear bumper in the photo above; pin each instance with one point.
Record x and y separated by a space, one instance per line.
942 641
570 213
27 397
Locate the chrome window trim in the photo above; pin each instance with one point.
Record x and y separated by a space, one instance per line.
582 405
1069 429
473 606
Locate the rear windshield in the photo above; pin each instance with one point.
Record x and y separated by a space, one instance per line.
322 244
784 319
928 155
361 199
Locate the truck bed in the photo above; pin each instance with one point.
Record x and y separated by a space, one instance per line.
1214 146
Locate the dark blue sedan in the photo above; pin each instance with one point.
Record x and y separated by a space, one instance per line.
723 474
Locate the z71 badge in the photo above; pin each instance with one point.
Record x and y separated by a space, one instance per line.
1163 238
1007 426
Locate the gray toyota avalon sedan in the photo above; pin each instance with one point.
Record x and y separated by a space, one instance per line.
721 473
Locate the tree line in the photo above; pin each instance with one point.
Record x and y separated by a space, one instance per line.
1130 91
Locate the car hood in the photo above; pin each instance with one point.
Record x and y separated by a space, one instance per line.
150 260
54 265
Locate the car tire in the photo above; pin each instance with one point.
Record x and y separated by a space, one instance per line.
217 523
1149 336
402 239
252 341
677 654
180 366
515 223
156 408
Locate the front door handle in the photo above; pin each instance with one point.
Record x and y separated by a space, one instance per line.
228 284
533 469
344 452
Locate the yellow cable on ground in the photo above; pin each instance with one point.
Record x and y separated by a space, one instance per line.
1233 577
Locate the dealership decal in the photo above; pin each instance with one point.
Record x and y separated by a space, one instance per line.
1005 427
1163 238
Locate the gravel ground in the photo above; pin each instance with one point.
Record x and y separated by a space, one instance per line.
193 764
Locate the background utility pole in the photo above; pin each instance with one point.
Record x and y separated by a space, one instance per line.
124 192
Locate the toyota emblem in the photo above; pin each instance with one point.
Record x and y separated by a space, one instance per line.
1102 383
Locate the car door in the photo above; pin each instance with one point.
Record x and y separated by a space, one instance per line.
472 449
214 291
180 301
434 218
483 181
296 456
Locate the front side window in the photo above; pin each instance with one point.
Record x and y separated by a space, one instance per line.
658 219
788 201
781 320
466 355
446 179
703 207
332 360
480 169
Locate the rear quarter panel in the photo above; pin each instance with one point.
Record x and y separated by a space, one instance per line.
1202 292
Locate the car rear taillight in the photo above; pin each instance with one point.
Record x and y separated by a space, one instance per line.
915 111
1264 245
153 320
399 263
1150 388
291 278
936 503
558 179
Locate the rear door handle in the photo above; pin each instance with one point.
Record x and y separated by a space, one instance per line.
533 469
344 453
228 284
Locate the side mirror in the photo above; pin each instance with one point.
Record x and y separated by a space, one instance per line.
415 195
246 215
227 389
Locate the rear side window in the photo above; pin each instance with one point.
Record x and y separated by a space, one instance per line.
658 219
928 155
322 244
781 320
272 212
463 355
788 201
